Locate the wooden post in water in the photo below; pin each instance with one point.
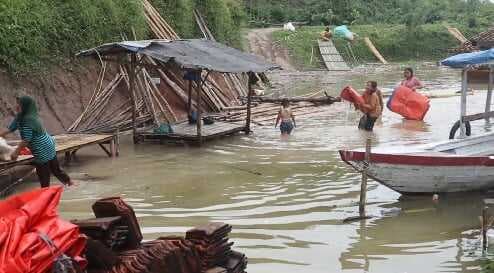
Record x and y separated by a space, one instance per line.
249 103
189 102
363 185
463 105
484 227
117 140
199 108
489 93
132 76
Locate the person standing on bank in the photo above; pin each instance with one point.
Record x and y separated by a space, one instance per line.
34 136
372 108
410 80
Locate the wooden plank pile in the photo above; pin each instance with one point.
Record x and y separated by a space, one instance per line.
205 249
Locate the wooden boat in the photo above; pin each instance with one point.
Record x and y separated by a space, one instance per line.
465 164
452 166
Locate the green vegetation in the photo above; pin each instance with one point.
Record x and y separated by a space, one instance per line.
36 34
395 42
473 13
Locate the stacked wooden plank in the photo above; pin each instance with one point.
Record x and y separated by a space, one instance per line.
115 206
206 248
214 248
108 230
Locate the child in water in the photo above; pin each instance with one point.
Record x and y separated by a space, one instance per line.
287 119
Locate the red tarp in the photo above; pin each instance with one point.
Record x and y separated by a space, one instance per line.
349 94
408 103
22 218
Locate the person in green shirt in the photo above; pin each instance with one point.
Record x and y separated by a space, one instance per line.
34 136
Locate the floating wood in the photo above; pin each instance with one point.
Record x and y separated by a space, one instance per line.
316 100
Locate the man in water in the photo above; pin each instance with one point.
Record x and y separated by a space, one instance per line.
372 108
326 34
287 119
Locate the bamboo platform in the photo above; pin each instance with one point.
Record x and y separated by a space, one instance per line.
185 132
70 144
331 56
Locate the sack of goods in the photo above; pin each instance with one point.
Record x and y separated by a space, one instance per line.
349 94
408 103
343 32
289 27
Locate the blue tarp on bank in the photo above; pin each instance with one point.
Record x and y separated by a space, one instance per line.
466 59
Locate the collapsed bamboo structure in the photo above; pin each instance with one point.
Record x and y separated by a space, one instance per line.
169 101
161 94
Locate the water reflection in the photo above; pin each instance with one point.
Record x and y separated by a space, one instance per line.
418 229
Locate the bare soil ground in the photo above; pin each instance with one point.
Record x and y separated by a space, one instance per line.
60 94
261 43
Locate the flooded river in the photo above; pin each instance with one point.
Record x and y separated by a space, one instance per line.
287 200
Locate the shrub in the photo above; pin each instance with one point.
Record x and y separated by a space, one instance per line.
36 33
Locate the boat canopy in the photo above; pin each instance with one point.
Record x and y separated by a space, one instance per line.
467 59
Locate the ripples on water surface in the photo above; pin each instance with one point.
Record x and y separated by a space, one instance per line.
286 200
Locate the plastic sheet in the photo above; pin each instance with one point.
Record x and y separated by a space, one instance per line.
23 218
408 103
349 94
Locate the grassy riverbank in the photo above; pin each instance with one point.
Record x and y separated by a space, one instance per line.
395 42
37 34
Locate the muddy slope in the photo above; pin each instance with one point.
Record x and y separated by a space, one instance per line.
261 43
61 94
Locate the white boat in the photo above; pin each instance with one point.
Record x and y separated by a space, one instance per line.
456 165
451 166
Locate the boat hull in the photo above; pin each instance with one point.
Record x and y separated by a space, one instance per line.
427 174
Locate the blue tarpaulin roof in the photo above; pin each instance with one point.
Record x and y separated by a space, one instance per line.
189 54
466 59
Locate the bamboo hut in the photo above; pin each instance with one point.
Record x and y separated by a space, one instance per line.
197 59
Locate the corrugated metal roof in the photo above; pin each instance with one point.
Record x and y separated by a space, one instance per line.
189 54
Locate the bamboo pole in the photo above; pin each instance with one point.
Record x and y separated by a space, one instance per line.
189 101
249 105
133 98
488 100
199 109
374 50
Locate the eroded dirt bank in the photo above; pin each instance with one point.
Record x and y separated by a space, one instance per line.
61 93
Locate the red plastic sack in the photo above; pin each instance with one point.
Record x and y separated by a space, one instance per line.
23 218
408 103
349 94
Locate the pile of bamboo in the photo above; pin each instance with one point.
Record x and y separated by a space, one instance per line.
99 115
168 101
264 110
220 91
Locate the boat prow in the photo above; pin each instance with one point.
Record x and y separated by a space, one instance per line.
450 166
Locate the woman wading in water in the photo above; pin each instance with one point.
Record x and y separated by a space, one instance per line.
34 136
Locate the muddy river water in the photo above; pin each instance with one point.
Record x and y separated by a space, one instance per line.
287 199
